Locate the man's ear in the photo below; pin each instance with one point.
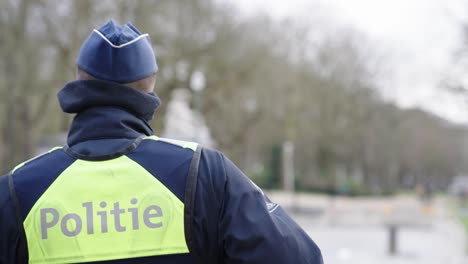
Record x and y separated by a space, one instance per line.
145 85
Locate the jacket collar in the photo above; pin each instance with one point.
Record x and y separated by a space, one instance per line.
106 110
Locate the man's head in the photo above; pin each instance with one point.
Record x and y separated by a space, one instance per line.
118 54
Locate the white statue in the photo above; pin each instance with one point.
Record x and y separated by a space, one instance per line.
183 123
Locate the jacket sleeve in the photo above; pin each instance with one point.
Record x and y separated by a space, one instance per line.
9 231
248 228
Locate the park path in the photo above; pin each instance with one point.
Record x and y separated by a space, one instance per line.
357 230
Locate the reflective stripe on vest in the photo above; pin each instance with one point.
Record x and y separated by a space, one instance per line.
105 210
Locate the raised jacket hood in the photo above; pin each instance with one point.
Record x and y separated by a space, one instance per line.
106 111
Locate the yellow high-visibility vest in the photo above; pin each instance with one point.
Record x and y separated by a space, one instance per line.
103 210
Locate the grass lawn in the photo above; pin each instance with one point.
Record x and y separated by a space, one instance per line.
461 211
464 220
458 208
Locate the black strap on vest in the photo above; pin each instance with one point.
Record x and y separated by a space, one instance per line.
22 246
189 202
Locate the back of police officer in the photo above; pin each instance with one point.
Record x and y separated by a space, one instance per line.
117 193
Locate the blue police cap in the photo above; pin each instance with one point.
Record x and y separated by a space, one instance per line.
117 53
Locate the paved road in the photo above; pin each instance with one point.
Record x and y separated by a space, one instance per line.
341 244
356 231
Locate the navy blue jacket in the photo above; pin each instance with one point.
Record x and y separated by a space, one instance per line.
228 219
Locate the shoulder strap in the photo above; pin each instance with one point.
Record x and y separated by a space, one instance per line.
189 201
22 247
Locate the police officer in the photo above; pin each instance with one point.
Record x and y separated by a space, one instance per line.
117 193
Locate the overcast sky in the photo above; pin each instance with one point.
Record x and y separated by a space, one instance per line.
419 38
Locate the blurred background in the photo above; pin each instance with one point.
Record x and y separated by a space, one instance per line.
352 113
